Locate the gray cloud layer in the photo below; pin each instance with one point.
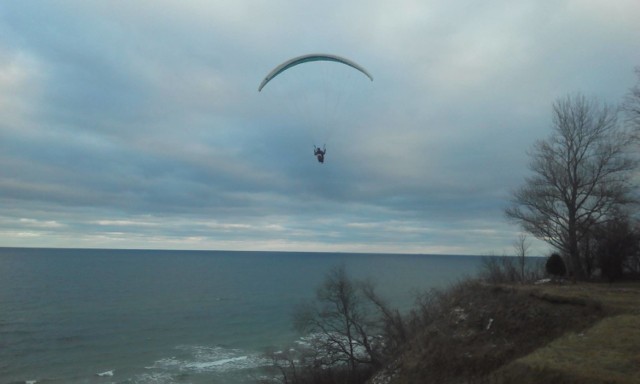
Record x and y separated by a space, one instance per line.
140 125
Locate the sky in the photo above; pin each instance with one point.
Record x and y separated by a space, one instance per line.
138 124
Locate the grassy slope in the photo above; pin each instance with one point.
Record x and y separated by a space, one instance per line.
608 352
582 333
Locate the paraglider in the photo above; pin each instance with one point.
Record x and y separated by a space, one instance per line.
309 58
319 153
316 57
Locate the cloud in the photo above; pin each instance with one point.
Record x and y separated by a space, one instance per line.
139 124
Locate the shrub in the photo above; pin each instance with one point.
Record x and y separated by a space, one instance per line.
509 270
555 265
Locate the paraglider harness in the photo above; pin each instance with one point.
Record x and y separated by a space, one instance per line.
319 153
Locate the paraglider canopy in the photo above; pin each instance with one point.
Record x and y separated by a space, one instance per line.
316 93
308 58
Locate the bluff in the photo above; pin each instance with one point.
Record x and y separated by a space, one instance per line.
571 333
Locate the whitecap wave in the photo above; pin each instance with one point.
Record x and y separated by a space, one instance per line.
155 378
202 359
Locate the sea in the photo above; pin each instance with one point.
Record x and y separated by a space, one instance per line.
159 316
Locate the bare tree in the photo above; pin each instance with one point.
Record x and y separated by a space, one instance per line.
631 104
342 323
286 364
581 174
391 321
521 246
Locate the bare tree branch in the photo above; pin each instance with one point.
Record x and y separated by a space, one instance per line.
581 174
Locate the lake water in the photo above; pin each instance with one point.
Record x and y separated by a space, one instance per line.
146 316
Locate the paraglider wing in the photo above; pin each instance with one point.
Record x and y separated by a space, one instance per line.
308 58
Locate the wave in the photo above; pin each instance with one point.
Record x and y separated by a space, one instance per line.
155 378
204 359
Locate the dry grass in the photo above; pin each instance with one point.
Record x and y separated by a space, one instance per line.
473 329
570 333
608 352
615 298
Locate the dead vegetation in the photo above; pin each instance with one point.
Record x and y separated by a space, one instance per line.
469 331
608 352
476 332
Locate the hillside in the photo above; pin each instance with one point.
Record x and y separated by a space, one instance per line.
574 333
